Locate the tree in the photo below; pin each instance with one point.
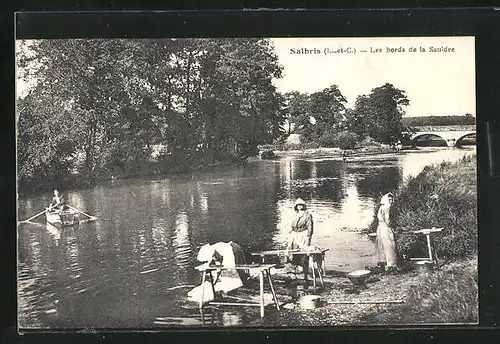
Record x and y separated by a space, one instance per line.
328 109
384 111
297 107
356 119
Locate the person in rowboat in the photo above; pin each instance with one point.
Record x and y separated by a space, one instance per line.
58 202
300 235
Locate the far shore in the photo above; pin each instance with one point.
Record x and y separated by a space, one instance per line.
325 152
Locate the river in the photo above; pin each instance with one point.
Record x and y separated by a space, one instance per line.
128 268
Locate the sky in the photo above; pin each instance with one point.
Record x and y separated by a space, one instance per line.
436 83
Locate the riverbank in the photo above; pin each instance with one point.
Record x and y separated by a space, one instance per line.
446 295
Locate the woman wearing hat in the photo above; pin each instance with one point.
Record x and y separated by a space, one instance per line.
300 235
386 243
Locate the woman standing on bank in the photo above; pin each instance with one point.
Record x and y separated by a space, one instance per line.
386 241
300 235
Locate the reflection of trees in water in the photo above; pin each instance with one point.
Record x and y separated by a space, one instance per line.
374 182
244 212
319 180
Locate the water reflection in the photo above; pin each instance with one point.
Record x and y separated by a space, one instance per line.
181 241
119 271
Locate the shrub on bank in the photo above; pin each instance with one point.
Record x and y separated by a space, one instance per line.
443 195
343 140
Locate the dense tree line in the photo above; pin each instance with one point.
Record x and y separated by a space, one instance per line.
467 119
100 106
323 117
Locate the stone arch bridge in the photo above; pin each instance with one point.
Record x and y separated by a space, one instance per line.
451 137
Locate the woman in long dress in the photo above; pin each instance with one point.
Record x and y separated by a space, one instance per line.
386 241
300 235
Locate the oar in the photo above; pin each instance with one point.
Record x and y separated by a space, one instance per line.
78 210
31 218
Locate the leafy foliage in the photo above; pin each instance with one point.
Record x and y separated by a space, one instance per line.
343 139
100 105
383 111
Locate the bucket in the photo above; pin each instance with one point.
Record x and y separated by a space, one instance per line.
310 301
359 277
372 236
423 266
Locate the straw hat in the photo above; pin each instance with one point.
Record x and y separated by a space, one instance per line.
299 201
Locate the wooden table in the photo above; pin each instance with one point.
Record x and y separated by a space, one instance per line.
263 269
317 257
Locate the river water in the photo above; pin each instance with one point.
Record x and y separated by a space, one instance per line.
132 267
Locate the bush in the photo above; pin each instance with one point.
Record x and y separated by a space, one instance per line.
343 140
369 142
267 154
444 195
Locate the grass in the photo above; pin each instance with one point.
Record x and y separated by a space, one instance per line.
447 296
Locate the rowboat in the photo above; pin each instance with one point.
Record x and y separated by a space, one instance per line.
65 217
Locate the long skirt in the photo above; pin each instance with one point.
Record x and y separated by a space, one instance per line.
298 240
386 245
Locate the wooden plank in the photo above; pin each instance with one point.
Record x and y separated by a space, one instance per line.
206 267
222 303
312 252
294 251
272 252
428 230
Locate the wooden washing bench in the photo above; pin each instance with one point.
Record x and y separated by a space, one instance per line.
264 269
317 257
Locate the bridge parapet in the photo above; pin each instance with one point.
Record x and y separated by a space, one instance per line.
450 137
440 128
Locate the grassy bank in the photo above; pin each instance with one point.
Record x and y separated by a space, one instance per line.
443 196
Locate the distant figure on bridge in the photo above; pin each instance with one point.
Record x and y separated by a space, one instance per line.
344 155
399 146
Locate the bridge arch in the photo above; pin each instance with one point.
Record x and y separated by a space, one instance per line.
464 136
416 137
